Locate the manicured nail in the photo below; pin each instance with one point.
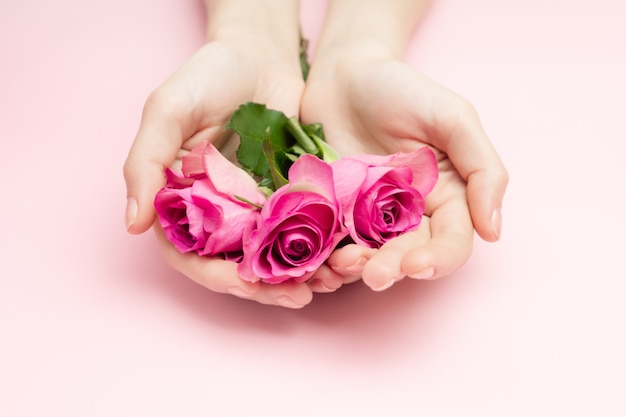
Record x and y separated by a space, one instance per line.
357 267
238 292
131 212
496 222
427 273
287 302
318 285
385 285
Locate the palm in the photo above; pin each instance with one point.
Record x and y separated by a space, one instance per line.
206 91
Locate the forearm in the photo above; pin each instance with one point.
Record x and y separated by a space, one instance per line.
276 21
385 24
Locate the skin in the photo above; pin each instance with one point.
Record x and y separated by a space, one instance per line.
367 99
251 54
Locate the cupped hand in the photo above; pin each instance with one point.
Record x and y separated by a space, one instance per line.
369 102
194 105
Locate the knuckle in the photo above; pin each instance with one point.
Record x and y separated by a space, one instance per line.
504 175
127 169
155 102
163 104
465 109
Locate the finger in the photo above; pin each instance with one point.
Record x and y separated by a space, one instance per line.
450 245
158 140
325 280
206 270
349 261
385 266
221 276
463 138
288 294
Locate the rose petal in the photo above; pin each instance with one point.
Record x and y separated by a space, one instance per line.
298 246
397 175
223 219
172 207
306 213
176 181
309 173
229 179
287 217
421 161
349 175
268 264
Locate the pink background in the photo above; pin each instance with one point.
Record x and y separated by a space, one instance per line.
94 323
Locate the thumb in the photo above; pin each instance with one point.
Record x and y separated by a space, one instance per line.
155 147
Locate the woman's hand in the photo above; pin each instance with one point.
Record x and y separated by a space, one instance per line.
252 55
371 102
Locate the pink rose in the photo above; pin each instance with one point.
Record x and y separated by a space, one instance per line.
200 210
298 228
383 196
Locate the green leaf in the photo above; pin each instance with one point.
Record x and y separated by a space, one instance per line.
271 142
251 121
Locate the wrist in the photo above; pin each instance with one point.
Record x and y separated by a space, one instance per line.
384 24
343 60
272 24
266 31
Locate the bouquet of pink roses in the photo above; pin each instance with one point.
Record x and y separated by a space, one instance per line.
293 201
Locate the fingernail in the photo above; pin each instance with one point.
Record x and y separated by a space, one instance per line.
131 212
496 222
319 285
238 292
384 286
287 302
357 267
427 273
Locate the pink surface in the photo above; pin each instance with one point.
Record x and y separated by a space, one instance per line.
94 323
